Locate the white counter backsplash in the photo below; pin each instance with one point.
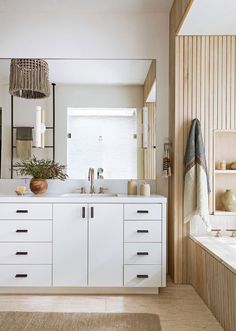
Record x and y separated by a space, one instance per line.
70 185
222 222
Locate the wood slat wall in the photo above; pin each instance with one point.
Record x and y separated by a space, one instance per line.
215 283
150 153
205 85
175 246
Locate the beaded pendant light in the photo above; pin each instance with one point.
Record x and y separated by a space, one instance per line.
29 78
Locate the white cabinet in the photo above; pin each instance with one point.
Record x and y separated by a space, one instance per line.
70 232
144 245
106 245
142 276
101 242
25 244
88 245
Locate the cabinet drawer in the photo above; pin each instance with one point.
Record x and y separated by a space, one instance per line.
25 253
142 231
142 276
20 231
142 253
143 211
25 275
25 211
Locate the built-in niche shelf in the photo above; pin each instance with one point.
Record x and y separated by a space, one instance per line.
224 213
224 143
228 172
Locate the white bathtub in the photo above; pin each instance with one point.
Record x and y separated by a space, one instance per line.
223 248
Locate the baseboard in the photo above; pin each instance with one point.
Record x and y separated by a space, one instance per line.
78 290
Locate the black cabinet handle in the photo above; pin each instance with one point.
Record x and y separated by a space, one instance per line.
142 253
22 211
142 211
142 231
21 231
83 212
142 276
92 212
21 253
21 276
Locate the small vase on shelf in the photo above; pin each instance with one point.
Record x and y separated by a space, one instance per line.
228 200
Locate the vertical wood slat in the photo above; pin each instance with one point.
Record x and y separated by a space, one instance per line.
149 160
205 86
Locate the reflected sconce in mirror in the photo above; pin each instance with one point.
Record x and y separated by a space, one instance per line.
145 127
40 127
29 78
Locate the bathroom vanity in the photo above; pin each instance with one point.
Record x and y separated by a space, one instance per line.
75 244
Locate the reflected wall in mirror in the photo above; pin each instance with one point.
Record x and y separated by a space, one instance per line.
105 118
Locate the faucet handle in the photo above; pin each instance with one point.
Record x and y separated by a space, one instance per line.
218 232
102 190
233 232
82 190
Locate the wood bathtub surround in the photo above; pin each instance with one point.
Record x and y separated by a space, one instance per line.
215 283
202 85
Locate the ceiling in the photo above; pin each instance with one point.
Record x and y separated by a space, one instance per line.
211 17
91 6
90 72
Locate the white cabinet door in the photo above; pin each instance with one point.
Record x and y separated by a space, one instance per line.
70 230
105 245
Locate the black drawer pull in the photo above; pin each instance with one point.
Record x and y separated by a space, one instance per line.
92 212
21 231
83 212
142 211
142 231
21 276
22 211
21 253
142 276
142 253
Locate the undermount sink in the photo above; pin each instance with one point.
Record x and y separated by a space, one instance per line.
89 195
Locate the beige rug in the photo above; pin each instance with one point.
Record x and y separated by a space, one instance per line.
24 321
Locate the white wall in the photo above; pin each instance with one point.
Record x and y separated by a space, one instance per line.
139 35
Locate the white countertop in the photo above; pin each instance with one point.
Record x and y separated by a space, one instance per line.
222 248
62 198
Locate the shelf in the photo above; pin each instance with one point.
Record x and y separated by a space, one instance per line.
225 172
47 146
224 213
32 127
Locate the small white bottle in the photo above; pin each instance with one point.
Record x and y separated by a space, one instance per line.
145 189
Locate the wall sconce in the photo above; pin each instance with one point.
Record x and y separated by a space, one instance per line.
40 127
145 127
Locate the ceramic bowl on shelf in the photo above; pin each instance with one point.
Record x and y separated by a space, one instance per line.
228 200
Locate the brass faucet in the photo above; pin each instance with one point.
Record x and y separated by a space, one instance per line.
91 179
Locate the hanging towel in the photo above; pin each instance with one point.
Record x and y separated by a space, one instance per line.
24 138
196 185
166 163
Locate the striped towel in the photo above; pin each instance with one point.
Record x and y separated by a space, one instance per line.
196 185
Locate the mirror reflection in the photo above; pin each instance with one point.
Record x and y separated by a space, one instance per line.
97 114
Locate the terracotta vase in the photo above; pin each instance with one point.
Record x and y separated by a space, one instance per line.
228 200
38 186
